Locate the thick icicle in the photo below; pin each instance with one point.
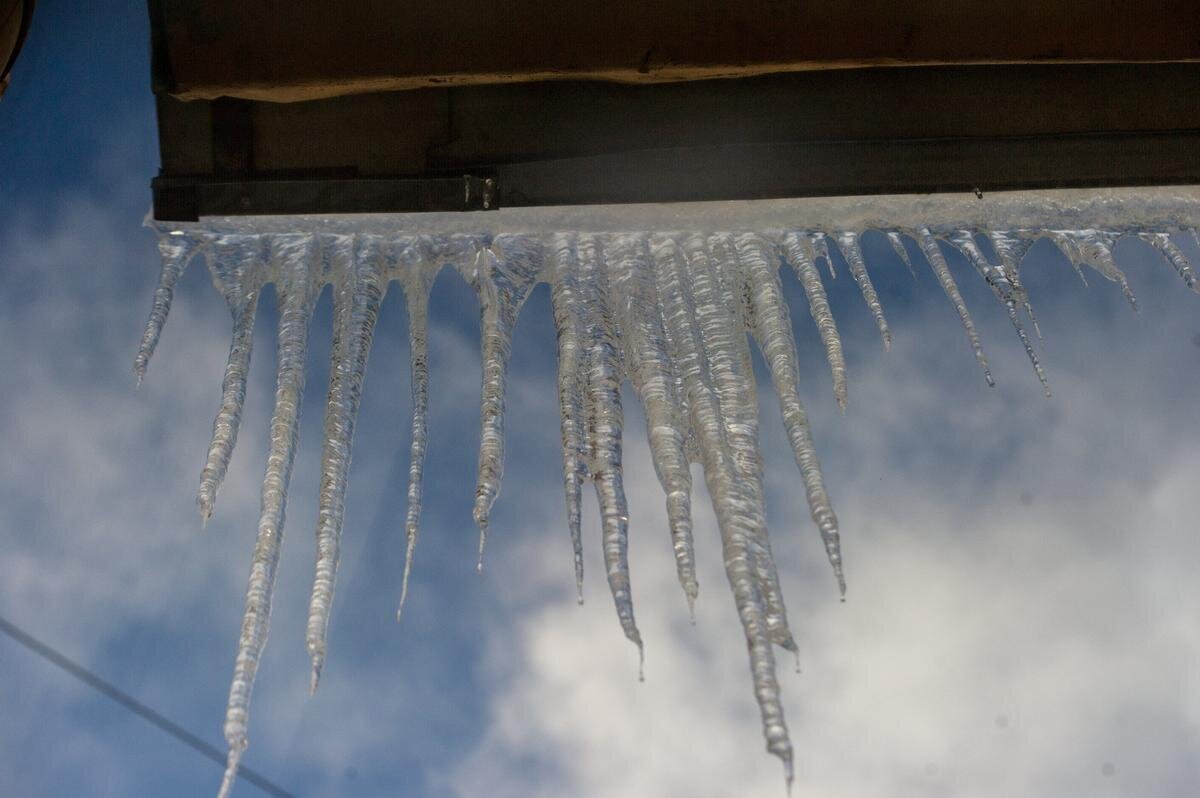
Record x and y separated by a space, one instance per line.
723 310
1174 255
568 321
773 331
896 239
799 253
176 252
358 291
937 262
848 243
503 276
297 290
416 278
721 476
650 369
603 424
1002 288
238 265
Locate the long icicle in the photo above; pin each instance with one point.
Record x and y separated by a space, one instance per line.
720 475
238 267
417 281
964 242
773 332
504 275
721 291
297 291
568 321
800 256
648 363
604 423
847 242
176 252
358 292
937 262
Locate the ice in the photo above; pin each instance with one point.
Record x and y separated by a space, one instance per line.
651 370
418 267
896 239
998 280
296 288
1093 248
848 243
503 276
937 262
356 269
666 298
176 252
1174 255
800 256
237 266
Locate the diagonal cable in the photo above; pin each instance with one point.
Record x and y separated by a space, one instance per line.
133 705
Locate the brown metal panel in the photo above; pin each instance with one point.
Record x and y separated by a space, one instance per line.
308 49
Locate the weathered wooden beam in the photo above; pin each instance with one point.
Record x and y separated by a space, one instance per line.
308 49
826 132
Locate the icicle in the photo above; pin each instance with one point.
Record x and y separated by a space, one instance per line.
1174 255
416 278
820 249
717 278
1067 246
799 254
176 252
1002 288
568 320
1010 249
297 292
604 421
358 292
237 264
721 476
649 365
504 276
848 243
896 239
773 331
937 261
1095 249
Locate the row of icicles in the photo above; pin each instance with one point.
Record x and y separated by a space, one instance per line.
669 313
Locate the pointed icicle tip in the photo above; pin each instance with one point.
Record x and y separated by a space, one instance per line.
315 679
231 771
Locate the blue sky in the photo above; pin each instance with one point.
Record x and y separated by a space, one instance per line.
1021 614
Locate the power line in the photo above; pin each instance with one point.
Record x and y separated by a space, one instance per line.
133 705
